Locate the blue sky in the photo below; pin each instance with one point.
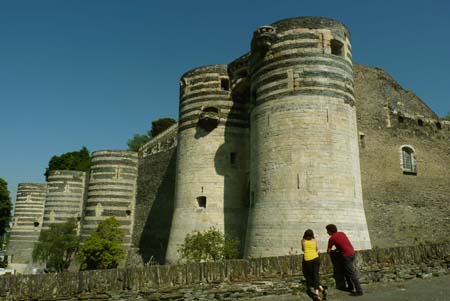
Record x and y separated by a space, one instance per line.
95 72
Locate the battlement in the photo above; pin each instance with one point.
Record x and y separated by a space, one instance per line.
161 143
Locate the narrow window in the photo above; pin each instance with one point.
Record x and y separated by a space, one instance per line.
408 160
128 212
401 119
362 141
224 84
36 224
420 122
201 200
336 47
232 158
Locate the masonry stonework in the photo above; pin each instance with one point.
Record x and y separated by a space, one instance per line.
27 221
66 193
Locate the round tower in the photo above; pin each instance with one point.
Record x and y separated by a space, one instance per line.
111 191
305 169
27 221
212 158
65 196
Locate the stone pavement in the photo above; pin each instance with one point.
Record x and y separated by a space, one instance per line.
436 288
430 289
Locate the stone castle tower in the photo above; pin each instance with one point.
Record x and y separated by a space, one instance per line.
305 170
212 158
66 192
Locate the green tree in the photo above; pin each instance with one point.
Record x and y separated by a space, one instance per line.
158 126
80 160
209 245
137 141
57 245
103 249
5 209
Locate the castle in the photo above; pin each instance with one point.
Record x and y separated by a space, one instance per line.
289 136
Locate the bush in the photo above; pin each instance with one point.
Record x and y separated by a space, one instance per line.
209 245
103 249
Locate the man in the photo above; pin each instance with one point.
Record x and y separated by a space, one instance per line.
345 248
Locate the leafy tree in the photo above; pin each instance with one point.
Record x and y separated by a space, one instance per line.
447 117
57 245
137 141
103 249
158 126
209 245
80 160
5 209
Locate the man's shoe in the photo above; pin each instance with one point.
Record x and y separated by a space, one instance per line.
355 294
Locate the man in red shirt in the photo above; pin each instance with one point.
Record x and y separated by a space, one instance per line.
345 248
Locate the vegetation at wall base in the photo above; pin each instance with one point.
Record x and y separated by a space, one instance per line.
80 161
103 249
158 126
57 245
5 209
209 245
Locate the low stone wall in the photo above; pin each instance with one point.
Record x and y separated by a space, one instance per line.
222 280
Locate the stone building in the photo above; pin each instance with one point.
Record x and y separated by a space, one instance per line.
289 136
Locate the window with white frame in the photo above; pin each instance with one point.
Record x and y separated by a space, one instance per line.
408 160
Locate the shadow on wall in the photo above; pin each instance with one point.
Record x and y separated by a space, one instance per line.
232 162
155 205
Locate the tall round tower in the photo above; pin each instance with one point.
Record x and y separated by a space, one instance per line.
305 169
111 191
65 196
27 221
212 158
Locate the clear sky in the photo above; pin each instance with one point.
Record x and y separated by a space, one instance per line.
94 72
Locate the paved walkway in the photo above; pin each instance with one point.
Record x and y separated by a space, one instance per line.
436 288
431 289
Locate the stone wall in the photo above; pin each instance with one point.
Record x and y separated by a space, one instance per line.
402 208
154 199
222 280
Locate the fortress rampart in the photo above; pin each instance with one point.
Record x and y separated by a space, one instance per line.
289 136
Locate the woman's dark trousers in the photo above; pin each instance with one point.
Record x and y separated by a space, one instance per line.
311 272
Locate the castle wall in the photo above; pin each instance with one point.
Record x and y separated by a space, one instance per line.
305 169
27 221
154 199
66 191
212 156
402 208
111 191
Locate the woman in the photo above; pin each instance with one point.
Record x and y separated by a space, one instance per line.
311 265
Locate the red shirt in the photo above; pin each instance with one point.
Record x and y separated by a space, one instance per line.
342 243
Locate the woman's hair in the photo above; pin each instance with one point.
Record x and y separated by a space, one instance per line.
331 228
309 234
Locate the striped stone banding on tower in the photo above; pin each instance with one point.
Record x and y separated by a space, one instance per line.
27 221
111 191
65 196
